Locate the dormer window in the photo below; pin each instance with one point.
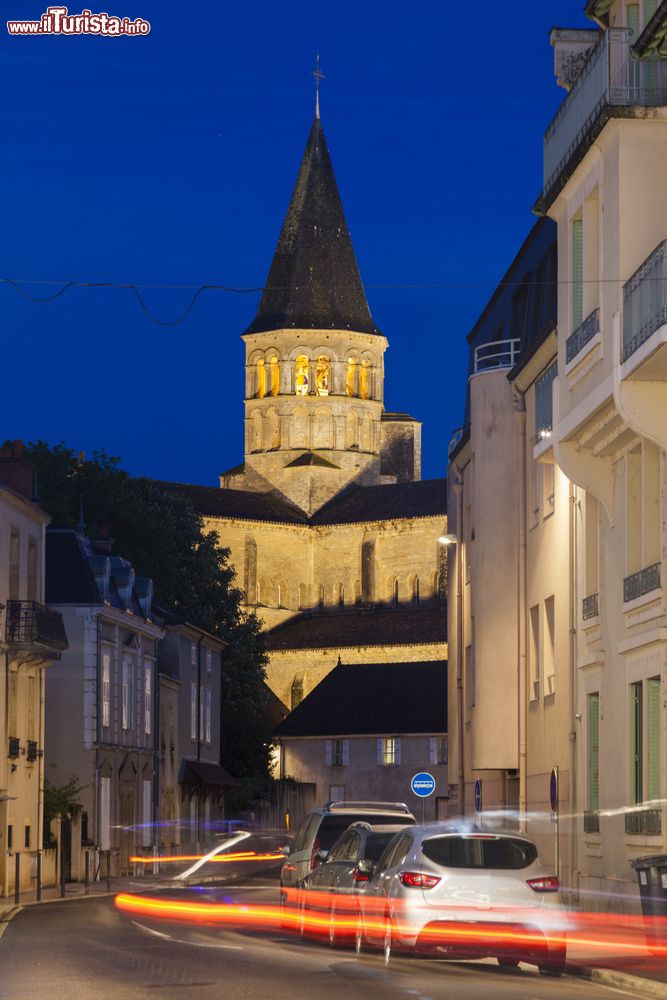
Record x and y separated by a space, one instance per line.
322 375
301 380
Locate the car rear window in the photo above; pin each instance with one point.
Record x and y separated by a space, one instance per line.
480 852
332 826
376 844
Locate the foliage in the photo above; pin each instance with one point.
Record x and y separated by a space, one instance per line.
60 801
163 537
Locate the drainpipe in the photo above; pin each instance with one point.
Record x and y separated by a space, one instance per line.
572 701
520 414
458 490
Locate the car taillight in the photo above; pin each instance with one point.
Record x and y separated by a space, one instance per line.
359 876
548 884
417 880
316 847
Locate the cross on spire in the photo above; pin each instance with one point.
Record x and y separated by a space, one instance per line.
317 73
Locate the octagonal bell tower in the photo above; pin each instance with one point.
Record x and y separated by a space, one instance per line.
314 357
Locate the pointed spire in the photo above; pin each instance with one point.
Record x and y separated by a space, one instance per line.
314 280
319 75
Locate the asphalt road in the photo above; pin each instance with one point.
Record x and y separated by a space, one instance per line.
85 949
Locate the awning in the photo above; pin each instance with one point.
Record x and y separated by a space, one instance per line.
205 777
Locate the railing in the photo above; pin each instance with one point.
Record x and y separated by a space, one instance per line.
544 407
647 821
581 336
590 607
610 77
643 582
645 300
591 822
32 624
496 354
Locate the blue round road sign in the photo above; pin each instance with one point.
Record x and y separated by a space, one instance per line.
423 784
478 795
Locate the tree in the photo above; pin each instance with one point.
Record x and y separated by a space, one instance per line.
163 537
60 801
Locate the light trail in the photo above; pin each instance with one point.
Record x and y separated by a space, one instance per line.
174 858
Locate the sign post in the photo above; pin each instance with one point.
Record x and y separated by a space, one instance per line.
553 795
422 785
478 802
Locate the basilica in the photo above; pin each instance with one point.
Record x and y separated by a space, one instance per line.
334 536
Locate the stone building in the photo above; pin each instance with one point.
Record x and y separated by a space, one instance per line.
327 512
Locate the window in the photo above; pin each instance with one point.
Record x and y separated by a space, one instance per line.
414 589
389 750
480 852
301 374
549 645
643 514
337 753
261 379
106 688
438 749
148 698
193 711
636 743
274 376
126 707
577 273
322 370
593 750
10 837
592 545
32 569
209 661
26 836
14 565
365 379
193 654
645 741
351 377
337 793
208 714
534 651
202 711
368 570
105 814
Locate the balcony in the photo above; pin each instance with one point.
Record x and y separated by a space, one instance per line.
611 83
544 407
582 335
590 607
647 822
31 625
495 355
645 301
641 583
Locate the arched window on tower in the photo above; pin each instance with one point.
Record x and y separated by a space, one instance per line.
392 590
320 599
274 376
351 377
413 589
303 596
283 595
322 375
301 375
365 379
368 570
339 593
261 379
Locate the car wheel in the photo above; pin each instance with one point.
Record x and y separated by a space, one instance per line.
333 935
505 962
554 965
358 936
388 943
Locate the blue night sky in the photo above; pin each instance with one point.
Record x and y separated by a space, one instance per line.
170 159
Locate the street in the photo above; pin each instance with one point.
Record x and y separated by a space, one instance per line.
83 948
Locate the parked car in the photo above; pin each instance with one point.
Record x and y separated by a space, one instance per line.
330 888
319 831
464 894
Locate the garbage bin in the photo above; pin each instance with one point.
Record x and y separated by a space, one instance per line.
652 878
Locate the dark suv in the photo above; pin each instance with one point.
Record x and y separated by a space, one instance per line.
321 828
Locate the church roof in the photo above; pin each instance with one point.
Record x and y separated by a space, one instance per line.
424 498
212 501
421 624
314 280
373 699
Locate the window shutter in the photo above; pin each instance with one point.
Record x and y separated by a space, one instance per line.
577 273
653 743
346 752
636 742
397 757
105 814
327 753
594 751
433 749
379 750
649 10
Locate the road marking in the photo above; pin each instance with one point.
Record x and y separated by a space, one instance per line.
191 944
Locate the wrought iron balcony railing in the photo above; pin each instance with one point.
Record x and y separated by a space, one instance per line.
645 301
496 354
611 80
590 607
641 583
582 335
645 821
30 623
591 822
544 409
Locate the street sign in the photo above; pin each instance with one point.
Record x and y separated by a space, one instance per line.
478 796
423 784
553 789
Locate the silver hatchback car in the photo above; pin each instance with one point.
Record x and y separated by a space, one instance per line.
464 894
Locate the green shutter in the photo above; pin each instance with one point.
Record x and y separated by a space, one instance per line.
577 273
594 751
653 741
649 10
636 743
633 21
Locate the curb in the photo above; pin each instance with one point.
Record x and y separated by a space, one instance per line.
7 916
611 977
